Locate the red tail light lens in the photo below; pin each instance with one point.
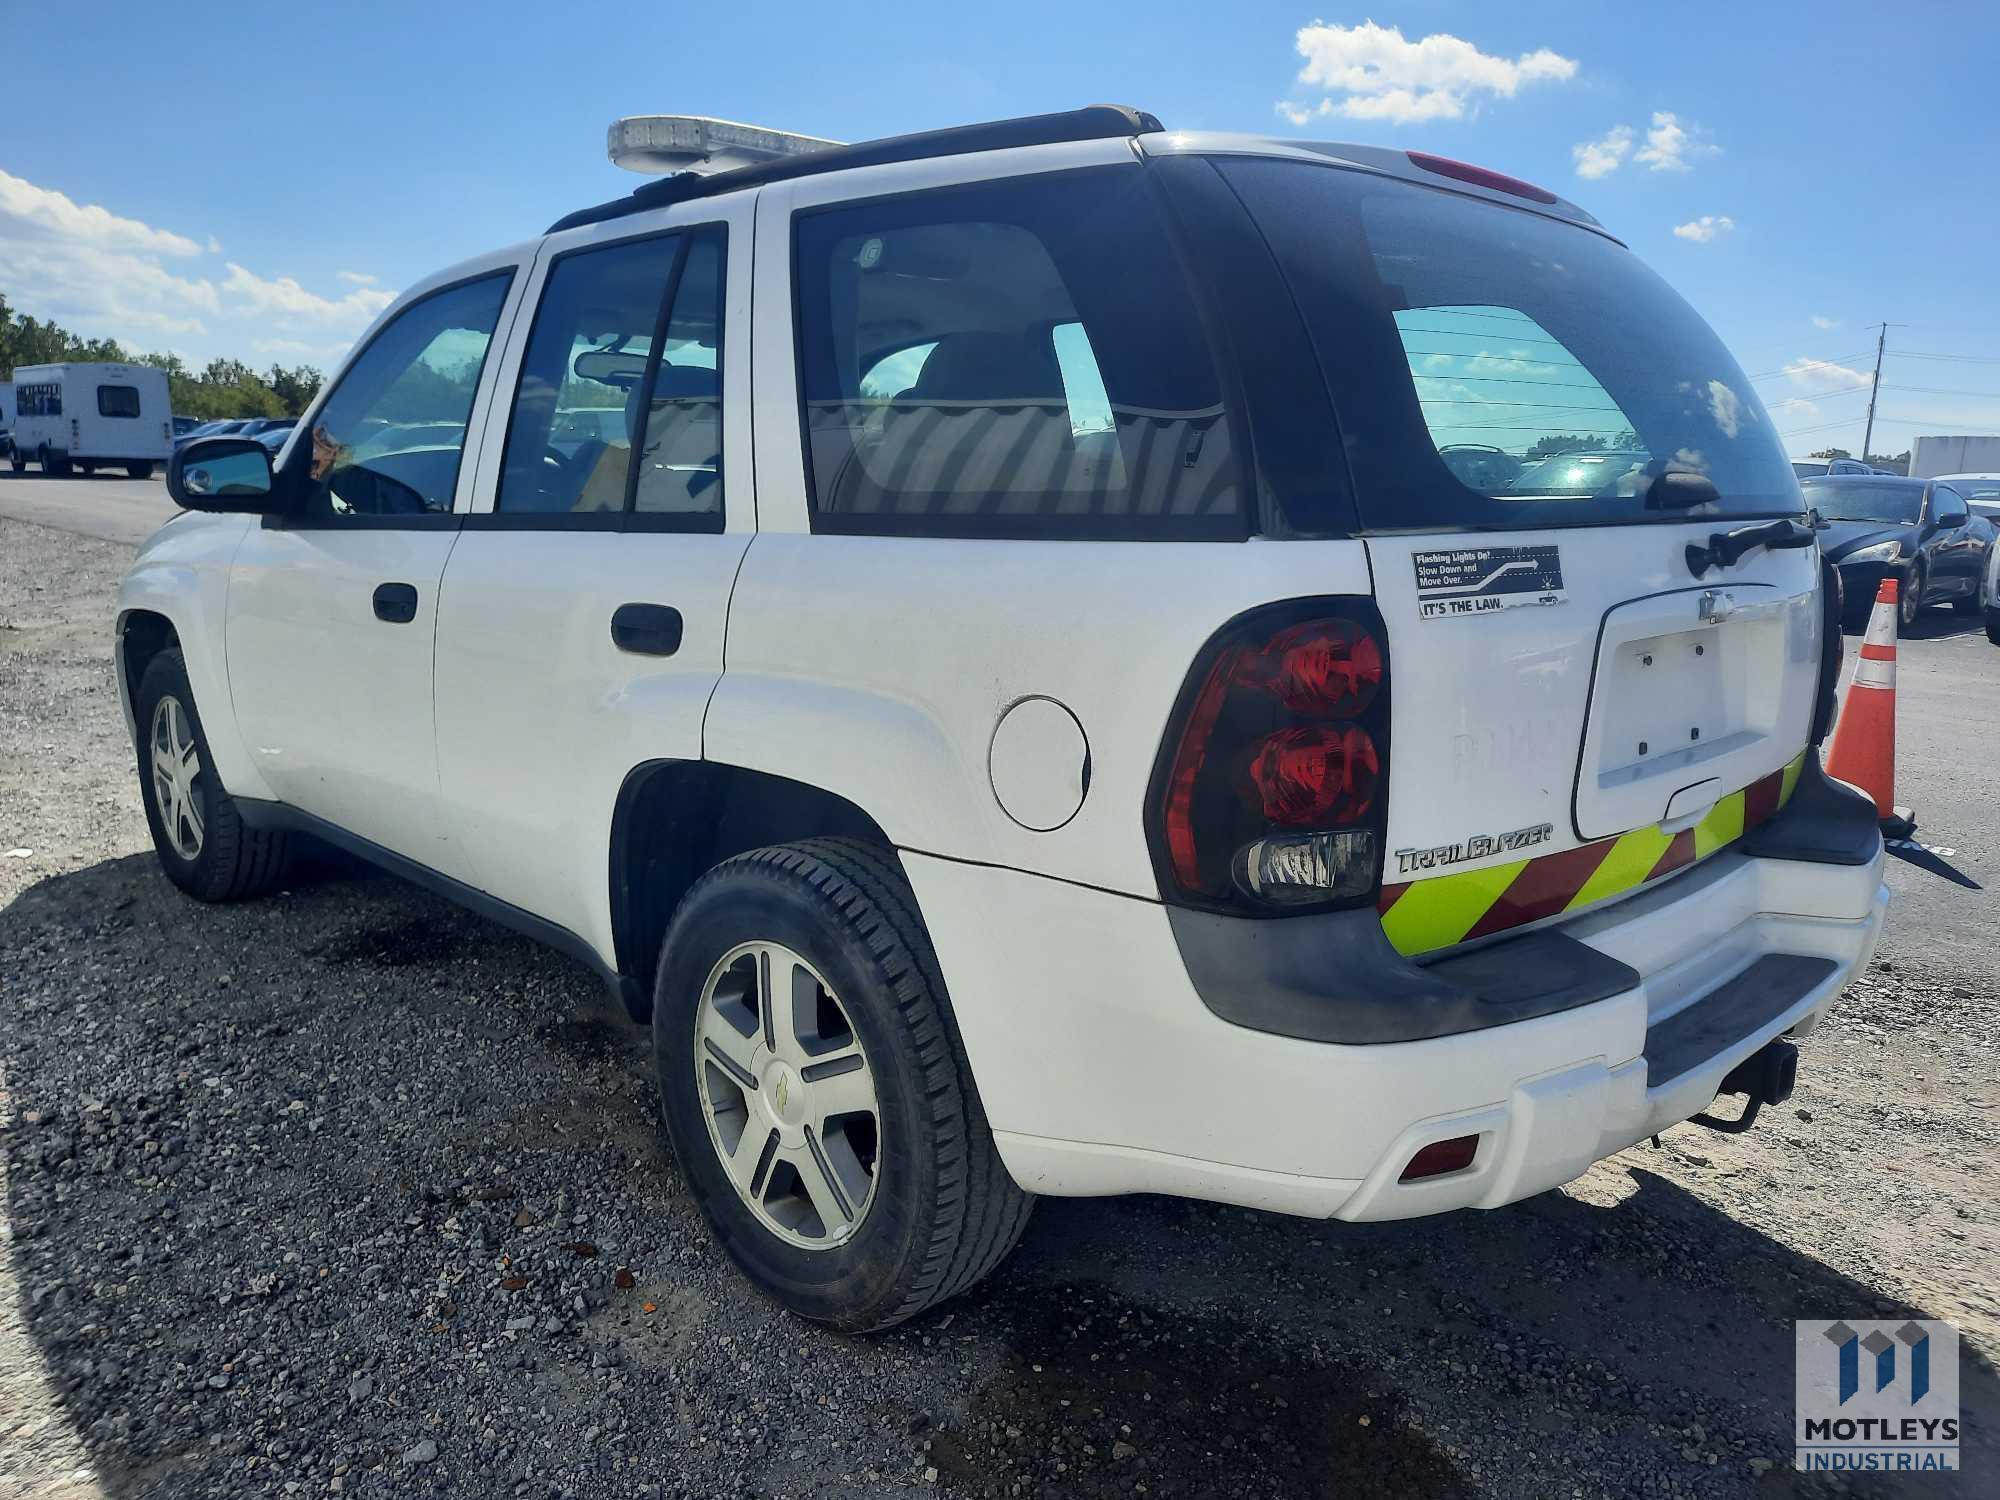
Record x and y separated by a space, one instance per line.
1269 793
1315 776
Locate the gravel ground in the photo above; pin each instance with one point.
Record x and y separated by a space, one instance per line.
348 1192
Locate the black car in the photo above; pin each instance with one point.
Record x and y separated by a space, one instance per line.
1918 531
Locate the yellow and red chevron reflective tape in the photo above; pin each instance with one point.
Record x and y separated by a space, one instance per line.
1421 915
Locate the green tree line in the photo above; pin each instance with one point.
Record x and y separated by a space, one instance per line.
221 388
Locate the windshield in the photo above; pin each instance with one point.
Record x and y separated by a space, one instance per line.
1858 500
1809 468
1495 368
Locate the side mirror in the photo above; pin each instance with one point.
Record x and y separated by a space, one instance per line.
1951 520
221 473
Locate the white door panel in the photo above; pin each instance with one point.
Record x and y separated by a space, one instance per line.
334 703
540 716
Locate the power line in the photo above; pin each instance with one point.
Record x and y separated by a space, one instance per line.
1940 390
1807 360
1960 359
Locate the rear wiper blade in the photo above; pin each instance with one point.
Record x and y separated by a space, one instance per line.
1678 489
1727 548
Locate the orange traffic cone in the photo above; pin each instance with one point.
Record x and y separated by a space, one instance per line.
1863 752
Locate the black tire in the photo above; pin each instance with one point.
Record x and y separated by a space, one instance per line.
1911 600
86 467
18 461
139 471
1993 625
944 1212
232 861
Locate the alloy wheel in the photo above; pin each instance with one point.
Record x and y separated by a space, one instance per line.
176 769
788 1095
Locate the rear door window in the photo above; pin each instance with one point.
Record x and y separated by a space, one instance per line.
118 401
1021 358
1492 367
611 370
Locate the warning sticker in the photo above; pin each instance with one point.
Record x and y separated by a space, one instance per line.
1479 580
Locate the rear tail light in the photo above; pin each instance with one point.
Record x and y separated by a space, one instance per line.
1271 789
1833 605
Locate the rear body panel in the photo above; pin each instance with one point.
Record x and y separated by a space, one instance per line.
1524 732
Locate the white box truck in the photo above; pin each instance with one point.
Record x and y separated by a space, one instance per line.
87 416
1932 456
6 417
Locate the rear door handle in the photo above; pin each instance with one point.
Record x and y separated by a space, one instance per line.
396 603
646 629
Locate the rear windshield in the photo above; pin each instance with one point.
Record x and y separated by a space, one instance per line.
1495 368
117 401
1858 500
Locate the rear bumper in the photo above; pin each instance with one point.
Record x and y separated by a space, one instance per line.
1103 1071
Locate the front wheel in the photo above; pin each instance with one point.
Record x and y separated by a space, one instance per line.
86 467
1910 601
139 471
18 461
201 839
816 1091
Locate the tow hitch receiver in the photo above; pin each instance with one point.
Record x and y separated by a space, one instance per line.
1766 1076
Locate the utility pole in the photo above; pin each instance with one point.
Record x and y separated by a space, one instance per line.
1868 433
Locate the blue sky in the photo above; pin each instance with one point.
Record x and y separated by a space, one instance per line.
255 180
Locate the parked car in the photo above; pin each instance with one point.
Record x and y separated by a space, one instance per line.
208 429
91 416
1144 760
1981 493
184 427
1917 531
1814 468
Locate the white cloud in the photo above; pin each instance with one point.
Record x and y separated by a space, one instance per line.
1371 72
54 213
102 275
284 298
1704 229
1600 158
1824 372
1671 146
1727 408
358 278
1824 322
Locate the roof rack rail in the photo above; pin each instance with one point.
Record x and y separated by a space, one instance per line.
1091 123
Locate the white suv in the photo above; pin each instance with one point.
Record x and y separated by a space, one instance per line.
1098 661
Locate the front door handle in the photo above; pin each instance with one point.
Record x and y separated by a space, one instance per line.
646 629
396 603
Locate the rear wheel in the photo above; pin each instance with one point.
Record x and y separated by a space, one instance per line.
1993 625
18 461
86 466
202 841
139 471
816 1091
